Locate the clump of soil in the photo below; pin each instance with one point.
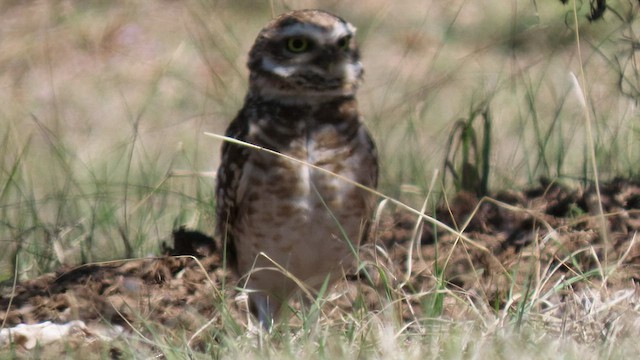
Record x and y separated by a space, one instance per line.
547 243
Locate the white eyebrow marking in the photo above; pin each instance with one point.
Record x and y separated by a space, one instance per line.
342 30
299 29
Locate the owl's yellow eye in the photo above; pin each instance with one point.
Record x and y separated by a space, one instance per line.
344 41
298 44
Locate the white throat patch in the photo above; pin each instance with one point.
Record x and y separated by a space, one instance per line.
281 70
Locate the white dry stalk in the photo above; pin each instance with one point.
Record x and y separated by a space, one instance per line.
590 140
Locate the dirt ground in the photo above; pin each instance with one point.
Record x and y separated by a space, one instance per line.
542 248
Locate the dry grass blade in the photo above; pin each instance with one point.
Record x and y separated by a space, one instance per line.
417 231
373 191
590 137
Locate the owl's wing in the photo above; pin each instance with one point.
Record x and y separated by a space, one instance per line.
370 178
234 157
373 157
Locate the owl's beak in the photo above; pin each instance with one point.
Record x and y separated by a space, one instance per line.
327 60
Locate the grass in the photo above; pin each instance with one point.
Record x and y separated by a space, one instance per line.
103 153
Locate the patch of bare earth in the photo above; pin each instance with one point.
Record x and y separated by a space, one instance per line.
538 255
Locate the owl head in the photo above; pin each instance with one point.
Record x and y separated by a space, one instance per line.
305 53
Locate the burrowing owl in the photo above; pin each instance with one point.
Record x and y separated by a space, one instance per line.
304 72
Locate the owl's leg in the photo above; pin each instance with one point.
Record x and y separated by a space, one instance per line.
264 308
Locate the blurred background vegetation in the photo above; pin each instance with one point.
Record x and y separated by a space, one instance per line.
104 105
